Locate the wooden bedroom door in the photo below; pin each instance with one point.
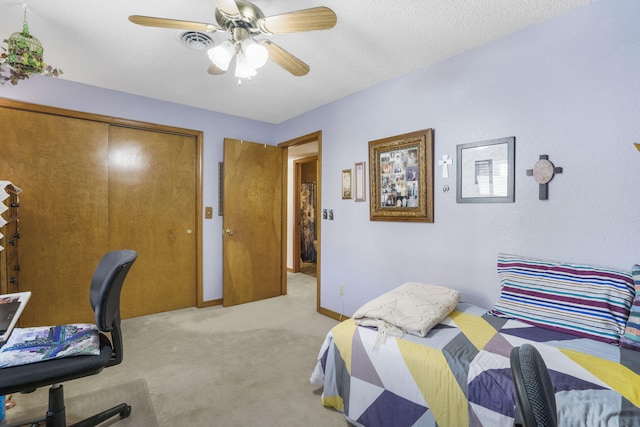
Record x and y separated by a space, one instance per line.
252 222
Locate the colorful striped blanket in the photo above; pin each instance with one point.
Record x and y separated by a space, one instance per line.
458 375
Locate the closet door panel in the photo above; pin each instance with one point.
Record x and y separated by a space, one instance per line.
61 165
152 209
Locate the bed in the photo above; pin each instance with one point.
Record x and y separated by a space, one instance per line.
458 373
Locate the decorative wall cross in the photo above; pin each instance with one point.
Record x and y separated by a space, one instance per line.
543 172
445 162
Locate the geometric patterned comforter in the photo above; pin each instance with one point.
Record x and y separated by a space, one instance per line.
458 375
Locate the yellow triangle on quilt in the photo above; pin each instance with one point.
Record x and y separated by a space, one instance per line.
335 402
475 328
343 338
442 393
618 377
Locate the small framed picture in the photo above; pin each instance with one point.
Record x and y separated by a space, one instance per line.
347 185
360 187
485 171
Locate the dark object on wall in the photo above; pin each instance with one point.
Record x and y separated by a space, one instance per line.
486 171
535 398
543 172
220 188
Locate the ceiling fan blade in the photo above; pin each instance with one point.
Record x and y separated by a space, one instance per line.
285 59
215 70
316 18
150 21
228 8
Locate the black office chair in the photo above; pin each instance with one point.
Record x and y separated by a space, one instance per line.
535 397
105 300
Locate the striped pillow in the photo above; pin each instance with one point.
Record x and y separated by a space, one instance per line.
583 300
631 337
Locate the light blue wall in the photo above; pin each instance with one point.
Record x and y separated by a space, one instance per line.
569 87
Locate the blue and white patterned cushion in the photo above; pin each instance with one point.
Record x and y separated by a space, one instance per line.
631 337
30 345
582 300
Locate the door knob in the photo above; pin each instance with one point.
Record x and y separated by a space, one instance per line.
229 231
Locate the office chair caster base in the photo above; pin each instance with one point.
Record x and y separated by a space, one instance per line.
56 413
122 409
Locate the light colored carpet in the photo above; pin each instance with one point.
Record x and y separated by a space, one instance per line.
242 366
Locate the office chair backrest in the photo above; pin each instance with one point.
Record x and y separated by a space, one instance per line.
535 397
105 295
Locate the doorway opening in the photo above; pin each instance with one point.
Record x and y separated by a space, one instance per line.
303 255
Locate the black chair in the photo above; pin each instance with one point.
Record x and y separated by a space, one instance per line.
105 300
535 397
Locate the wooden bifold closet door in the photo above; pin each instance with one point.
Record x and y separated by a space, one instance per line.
89 187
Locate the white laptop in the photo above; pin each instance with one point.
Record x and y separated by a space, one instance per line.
11 306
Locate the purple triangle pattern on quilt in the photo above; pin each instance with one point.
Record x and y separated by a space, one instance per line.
386 407
501 378
538 334
392 410
363 370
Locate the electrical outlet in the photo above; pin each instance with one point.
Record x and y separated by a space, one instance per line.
341 290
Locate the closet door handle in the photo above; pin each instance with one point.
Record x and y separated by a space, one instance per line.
229 231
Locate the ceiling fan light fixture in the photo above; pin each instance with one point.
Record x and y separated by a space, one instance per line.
222 54
243 21
243 69
255 54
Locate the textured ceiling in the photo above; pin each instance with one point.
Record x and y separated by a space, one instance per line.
93 42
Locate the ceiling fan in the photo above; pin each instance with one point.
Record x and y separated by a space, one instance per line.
243 21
